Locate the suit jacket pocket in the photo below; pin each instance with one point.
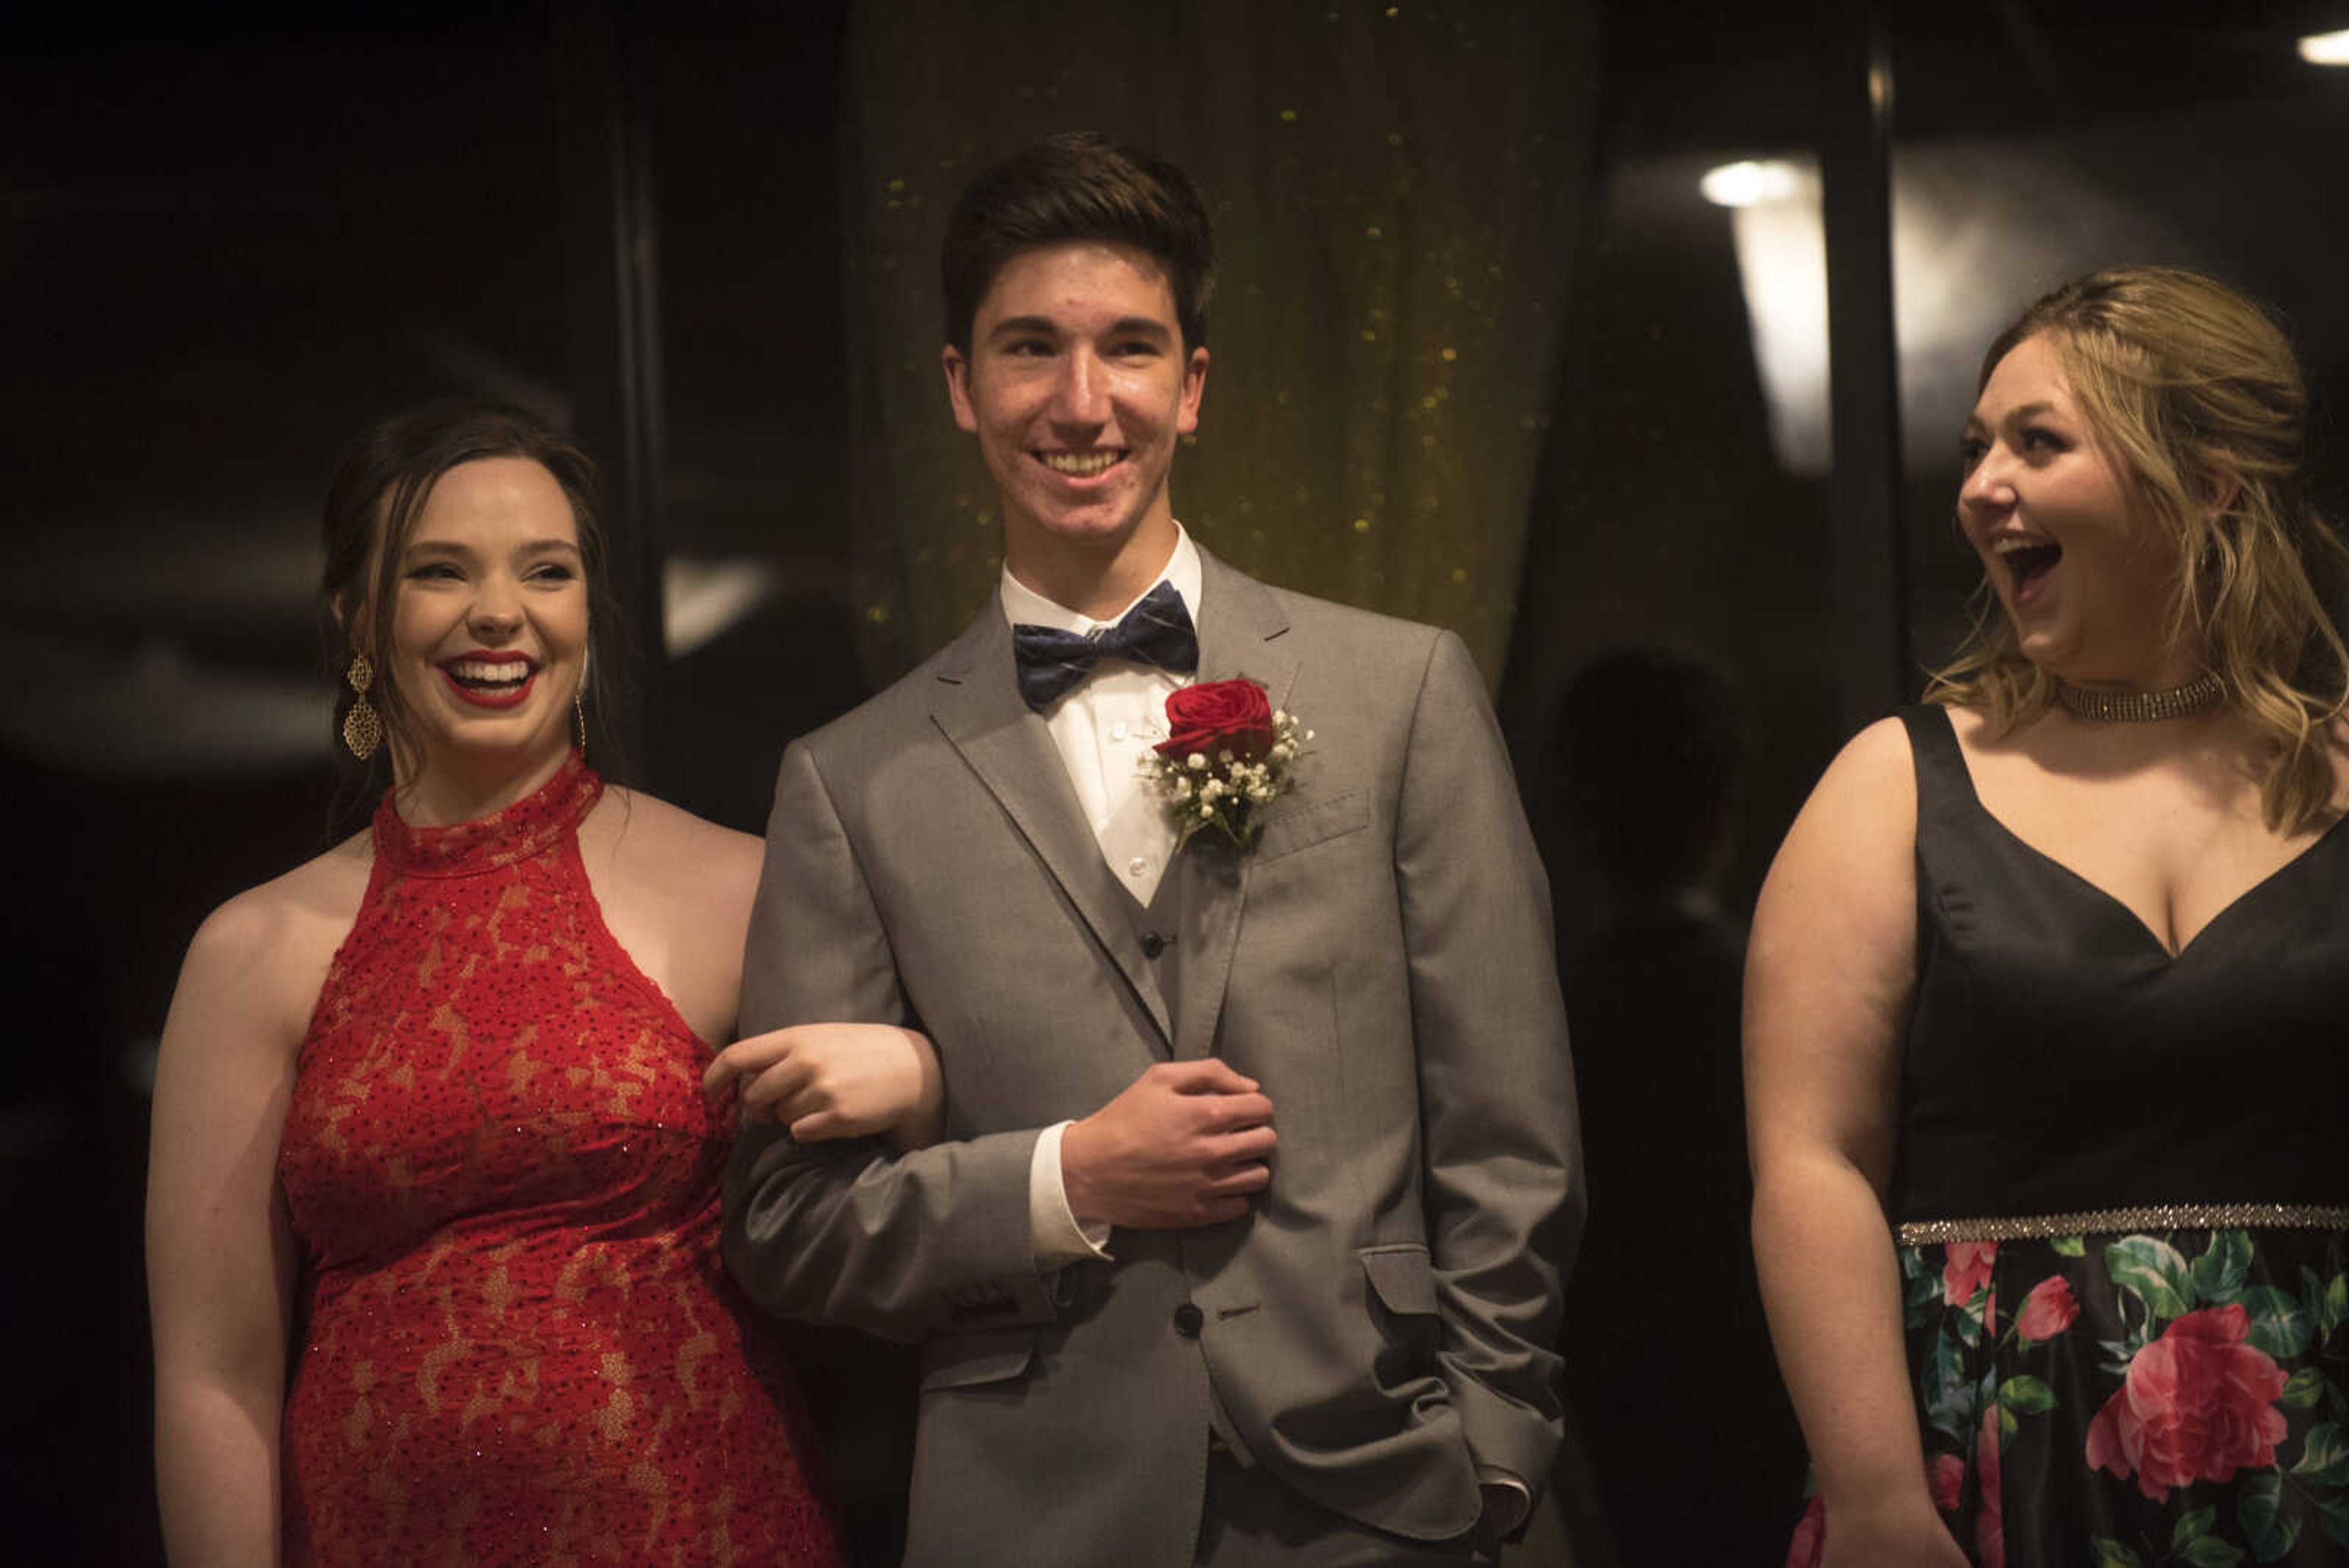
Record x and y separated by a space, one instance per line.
1402 1276
967 1360
1304 823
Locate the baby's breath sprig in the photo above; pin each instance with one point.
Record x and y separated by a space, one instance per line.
1220 791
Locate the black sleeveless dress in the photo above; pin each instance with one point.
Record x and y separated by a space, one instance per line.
2122 1201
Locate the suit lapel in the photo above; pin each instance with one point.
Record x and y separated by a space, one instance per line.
1241 627
977 705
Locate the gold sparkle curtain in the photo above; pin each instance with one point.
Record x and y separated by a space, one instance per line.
1395 190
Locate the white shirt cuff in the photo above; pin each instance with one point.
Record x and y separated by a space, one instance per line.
1056 1234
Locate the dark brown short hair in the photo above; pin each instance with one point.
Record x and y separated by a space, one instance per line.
379 489
1079 185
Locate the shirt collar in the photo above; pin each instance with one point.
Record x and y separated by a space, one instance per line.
1023 605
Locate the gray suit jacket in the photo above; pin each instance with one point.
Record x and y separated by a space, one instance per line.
1382 1321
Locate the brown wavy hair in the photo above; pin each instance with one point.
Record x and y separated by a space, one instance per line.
379 489
2192 393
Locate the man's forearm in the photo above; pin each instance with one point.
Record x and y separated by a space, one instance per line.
900 1246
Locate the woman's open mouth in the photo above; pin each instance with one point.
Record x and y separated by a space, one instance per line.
2028 562
489 683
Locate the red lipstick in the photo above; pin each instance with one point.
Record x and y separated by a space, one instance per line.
490 680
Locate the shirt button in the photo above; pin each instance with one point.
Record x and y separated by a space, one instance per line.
1187 1319
1117 731
1137 867
1153 944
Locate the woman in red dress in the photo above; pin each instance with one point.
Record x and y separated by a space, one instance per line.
433 1200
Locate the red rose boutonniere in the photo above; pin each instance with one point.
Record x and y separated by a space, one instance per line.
1227 753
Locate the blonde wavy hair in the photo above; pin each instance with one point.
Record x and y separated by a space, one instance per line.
2193 394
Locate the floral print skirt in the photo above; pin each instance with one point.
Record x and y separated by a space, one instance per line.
2134 1399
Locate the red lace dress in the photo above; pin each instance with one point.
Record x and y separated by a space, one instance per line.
517 1344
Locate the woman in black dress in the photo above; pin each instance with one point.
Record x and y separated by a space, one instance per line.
2047 1001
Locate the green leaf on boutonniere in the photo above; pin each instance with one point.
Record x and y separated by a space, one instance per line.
2152 1271
2068 1247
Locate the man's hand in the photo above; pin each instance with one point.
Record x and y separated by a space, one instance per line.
836 1080
1184 1145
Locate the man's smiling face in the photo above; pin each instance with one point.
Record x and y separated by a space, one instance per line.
1076 385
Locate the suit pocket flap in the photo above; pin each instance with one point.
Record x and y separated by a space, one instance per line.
1401 1277
963 1360
1308 822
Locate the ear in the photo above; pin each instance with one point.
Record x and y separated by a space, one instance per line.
958 368
1194 388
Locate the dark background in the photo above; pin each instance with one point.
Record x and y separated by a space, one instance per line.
230 242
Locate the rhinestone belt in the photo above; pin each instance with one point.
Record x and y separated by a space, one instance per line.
2148 1217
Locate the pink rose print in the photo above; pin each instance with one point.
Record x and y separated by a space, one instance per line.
1947 1475
2197 1404
2047 1310
1966 1271
1809 1541
1990 1524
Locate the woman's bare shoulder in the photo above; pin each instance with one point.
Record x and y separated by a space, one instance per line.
322 892
649 839
1859 822
267 949
1874 770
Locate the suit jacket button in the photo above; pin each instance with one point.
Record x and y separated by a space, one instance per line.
1153 944
1187 1319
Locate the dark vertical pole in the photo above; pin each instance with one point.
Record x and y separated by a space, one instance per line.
1871 576
614 315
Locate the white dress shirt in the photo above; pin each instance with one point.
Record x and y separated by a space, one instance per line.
1103 728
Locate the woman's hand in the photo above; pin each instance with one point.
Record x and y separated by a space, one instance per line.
837 1080
1904 1532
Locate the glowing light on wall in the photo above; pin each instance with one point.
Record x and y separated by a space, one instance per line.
1749 181
2326 48
1782 259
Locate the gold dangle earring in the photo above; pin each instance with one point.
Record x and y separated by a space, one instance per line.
579 705
362 726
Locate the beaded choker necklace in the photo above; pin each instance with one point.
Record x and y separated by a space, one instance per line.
2197 696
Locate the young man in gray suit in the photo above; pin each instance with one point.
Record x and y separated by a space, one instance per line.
1245 1238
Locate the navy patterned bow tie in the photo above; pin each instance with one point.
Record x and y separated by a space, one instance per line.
1155 631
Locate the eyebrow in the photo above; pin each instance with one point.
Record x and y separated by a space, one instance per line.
1045 326
457 548
2023 412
